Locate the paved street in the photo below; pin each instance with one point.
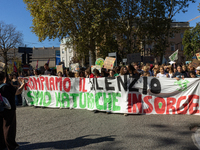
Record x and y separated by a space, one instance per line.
47 128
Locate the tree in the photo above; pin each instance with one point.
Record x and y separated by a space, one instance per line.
82 21
92 24
10 38
191 41
155 18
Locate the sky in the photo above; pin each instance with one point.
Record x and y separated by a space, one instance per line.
14 12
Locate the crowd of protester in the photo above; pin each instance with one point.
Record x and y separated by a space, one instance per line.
135 70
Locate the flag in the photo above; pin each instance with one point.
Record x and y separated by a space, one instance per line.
48 61
174 56
36 65
15 67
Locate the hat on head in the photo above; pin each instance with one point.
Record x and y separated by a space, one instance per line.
198 68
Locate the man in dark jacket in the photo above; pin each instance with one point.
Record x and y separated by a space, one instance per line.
8 116
47 69
180 74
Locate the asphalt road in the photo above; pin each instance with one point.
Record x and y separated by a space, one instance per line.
59 129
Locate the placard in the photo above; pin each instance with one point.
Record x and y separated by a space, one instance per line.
135 57
59 68
195 63
109 62
98 67
148 59
75 67
100 61
198 56
187 62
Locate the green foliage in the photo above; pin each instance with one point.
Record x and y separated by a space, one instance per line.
191 41
106 26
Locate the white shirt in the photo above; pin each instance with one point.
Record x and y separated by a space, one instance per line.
161 75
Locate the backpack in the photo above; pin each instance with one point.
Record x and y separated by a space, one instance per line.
4 103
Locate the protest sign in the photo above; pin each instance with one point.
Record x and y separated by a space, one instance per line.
59 68
174 56
198 56
109 62
195 63
75 67
148 59
144 95
100 62
98 67
2 65
135 57
187 62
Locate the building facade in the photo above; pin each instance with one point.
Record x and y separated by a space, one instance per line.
43 54
175 42
66 53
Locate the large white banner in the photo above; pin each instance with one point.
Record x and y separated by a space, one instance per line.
146 95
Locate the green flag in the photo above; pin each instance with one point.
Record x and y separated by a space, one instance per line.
174 56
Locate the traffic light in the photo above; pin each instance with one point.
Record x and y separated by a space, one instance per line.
24 58
29 58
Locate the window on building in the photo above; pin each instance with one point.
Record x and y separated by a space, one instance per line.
181 35
172 47
63 59
63 51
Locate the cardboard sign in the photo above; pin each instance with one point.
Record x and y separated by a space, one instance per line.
187 62
198 56
109 62
75 67
2 65
98 67
59 68
195 63
135 57
148 59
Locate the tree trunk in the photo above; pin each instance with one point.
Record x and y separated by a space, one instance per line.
5 61
92 52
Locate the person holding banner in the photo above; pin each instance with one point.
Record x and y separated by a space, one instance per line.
35 72
8 116
198 71
111 73
47 69
179 74
96 73
60 74
162 73
88 73
192 74
171 72
123 71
